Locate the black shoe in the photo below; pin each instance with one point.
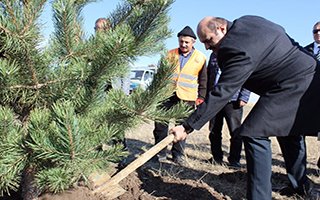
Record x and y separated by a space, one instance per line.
234 165
122 164
179 160
313 192
154 159
158 158
215 162
162 158
287 191
305 190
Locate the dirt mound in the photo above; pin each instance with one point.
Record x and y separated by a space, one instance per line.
145 184
152 182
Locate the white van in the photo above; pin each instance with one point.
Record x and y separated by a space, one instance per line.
140 77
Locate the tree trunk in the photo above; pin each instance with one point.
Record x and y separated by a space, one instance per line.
29 188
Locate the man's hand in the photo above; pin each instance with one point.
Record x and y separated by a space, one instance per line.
242 103
179 133
199 101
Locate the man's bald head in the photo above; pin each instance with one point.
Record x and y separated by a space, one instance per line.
211 30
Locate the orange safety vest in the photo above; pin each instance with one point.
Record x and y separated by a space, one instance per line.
186 80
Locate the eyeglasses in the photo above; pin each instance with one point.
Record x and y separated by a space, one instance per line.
316 31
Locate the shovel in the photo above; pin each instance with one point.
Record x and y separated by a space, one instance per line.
110 188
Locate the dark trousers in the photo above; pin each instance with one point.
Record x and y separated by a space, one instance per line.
161 129
259 158
232 113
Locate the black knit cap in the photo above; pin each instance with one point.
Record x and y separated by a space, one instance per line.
187 31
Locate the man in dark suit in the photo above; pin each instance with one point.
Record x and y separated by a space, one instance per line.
232 113
258 54
314 49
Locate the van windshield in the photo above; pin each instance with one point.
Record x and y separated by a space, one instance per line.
136 74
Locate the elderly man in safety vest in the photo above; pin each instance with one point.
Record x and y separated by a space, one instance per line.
190 79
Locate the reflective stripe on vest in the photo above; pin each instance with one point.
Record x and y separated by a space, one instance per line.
186 80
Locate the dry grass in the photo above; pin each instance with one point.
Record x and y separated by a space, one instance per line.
230 183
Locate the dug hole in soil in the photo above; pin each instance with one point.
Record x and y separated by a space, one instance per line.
146 183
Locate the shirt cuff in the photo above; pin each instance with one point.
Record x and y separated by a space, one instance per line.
187 127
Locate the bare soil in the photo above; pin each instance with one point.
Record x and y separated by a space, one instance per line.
198 180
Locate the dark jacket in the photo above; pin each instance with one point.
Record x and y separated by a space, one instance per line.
310 48
258 55
212 70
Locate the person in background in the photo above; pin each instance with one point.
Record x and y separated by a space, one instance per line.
102 24
190 79
314 49
259 55
232 112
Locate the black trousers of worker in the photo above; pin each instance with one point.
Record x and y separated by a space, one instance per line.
232 113
259 160
161 129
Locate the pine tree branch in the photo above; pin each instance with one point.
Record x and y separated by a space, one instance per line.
70 55
10 10
5 30
128 13
25 2
150 22
68 29
39 85
72 153
32 70
30 14
130 10
65 29
12 167
182 109
33 16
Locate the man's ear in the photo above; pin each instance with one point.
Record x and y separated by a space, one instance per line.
223 29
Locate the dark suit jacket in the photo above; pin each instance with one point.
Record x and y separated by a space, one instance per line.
259 55
241 95
309 48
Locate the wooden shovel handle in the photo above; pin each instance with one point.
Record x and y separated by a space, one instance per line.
136 163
